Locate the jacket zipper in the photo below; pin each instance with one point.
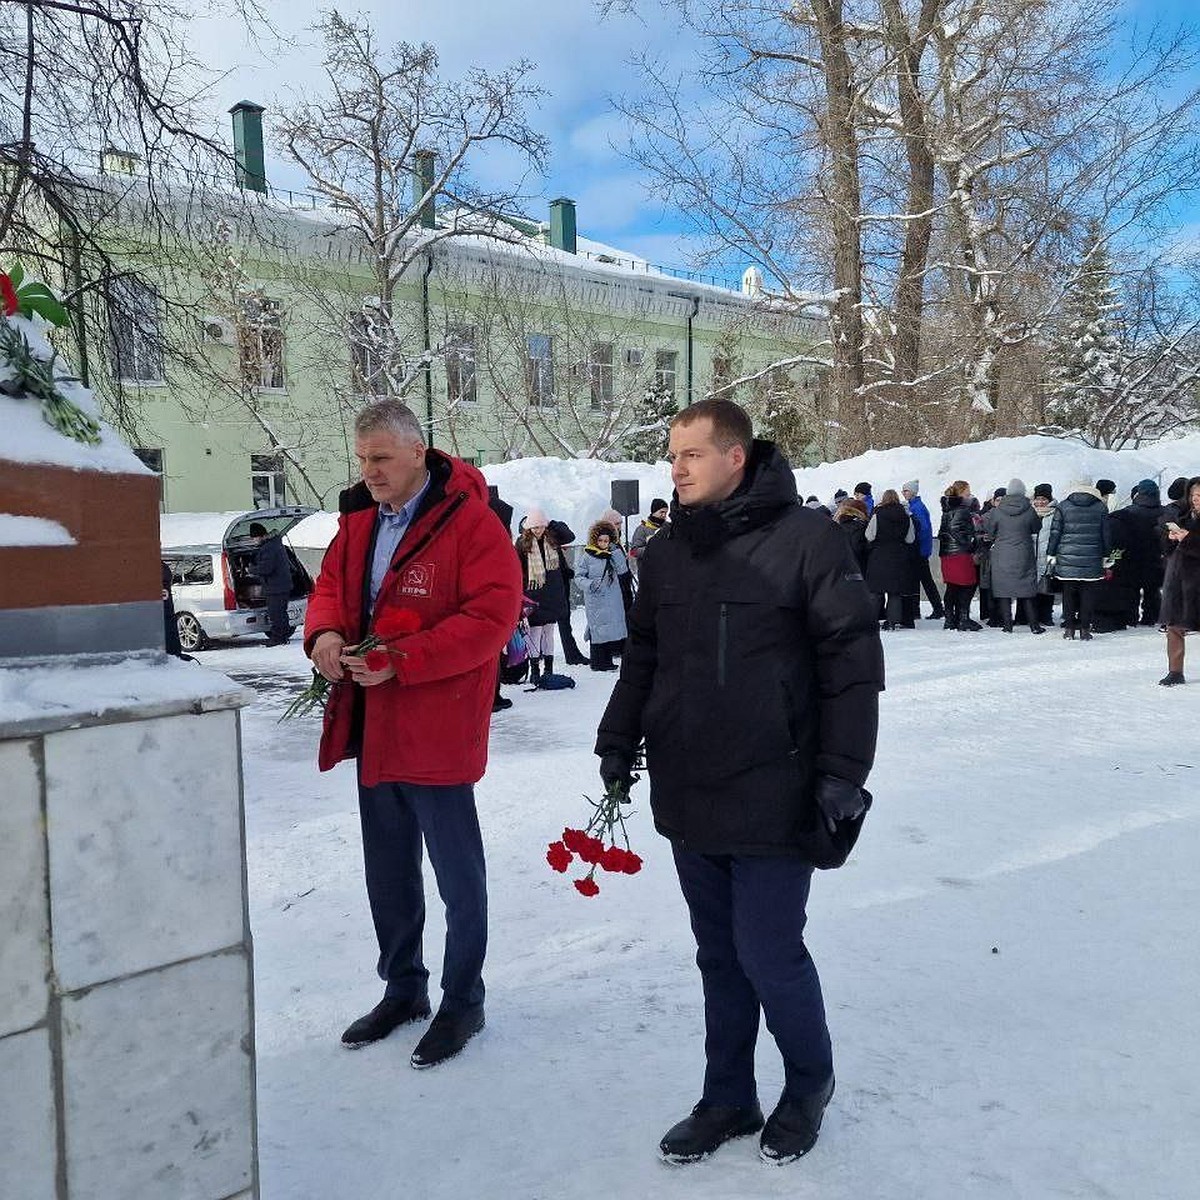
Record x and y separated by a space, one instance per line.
722 640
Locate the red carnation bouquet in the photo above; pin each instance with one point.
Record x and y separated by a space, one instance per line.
391 626
589 844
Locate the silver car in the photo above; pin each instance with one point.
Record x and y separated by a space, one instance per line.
216 593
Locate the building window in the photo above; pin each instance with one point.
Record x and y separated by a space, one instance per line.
154 460
665 369
268 488
136 332
260 344
600 374
539 369
460 366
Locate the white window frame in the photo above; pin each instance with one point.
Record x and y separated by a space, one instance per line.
135 331
261 346
666 369
539 369
600 375
270 467
462 378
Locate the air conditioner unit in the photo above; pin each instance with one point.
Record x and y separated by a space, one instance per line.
633 358
220 330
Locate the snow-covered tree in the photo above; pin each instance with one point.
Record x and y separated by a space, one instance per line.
651 418
1086 355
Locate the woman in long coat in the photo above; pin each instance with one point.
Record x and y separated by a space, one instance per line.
1181 591
1012 527
891 561
544 577
599 569
958 541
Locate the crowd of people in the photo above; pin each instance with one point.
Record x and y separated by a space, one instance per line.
1109 566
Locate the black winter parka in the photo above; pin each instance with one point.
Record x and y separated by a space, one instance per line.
753 664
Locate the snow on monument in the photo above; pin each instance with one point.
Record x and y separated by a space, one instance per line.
126 1032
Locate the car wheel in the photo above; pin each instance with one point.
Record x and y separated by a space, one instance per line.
191 636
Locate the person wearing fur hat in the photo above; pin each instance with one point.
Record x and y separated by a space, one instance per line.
598 570
544 570
616 523
1181 590
1012 527
851 518
659 511
958 541
1079 542
923 524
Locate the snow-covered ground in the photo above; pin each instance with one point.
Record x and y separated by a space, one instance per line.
1011 959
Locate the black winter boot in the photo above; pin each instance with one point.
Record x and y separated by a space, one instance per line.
1172 679
535 670
791 1130
709 1127
547 664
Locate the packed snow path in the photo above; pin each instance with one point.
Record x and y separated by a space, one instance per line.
1011 959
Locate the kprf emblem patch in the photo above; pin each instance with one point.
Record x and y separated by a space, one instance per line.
417 579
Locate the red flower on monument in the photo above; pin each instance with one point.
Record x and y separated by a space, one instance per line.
588 845
9 294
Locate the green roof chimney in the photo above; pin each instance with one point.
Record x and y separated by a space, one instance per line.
422 182
562 224
250 171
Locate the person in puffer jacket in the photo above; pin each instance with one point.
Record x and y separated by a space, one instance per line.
958 541
1080 540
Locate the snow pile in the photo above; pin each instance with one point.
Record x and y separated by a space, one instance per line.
75 692
32 531
574 490
29 439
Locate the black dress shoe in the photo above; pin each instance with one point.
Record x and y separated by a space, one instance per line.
1172 679
501 703
1037 629
791 1130
447 1034
382 1019
708 1127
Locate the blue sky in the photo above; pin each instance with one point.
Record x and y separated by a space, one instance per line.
581 62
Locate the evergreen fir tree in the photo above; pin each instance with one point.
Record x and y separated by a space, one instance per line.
1086 356
651 425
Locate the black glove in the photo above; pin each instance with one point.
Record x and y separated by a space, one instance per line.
838 800
616 769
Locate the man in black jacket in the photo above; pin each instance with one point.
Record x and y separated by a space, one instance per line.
752 671
274 571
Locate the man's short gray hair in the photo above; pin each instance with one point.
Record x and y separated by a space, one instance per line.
389 416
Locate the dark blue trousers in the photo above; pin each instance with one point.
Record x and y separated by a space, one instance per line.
748 917
278 626
396 817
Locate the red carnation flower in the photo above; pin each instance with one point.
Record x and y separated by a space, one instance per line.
633 864
574 839
587 886
376 660
591 850
397 623
613 859
9 294
559 857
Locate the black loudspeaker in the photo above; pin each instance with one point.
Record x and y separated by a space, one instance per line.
625 497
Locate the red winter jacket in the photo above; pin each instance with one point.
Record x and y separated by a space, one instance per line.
456 570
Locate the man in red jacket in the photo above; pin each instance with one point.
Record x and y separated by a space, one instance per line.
420 561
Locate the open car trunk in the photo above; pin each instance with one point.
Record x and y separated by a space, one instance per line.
240 548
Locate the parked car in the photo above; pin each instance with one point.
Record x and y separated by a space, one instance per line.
217 595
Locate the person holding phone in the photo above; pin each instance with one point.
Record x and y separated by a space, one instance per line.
1181 591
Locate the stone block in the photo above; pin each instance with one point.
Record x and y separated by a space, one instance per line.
157 1084
27 1135
24 918
144 830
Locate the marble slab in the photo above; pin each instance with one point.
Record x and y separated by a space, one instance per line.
24 915
157 1084
144 827
27 1135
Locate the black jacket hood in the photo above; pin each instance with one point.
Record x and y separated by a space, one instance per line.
767 488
